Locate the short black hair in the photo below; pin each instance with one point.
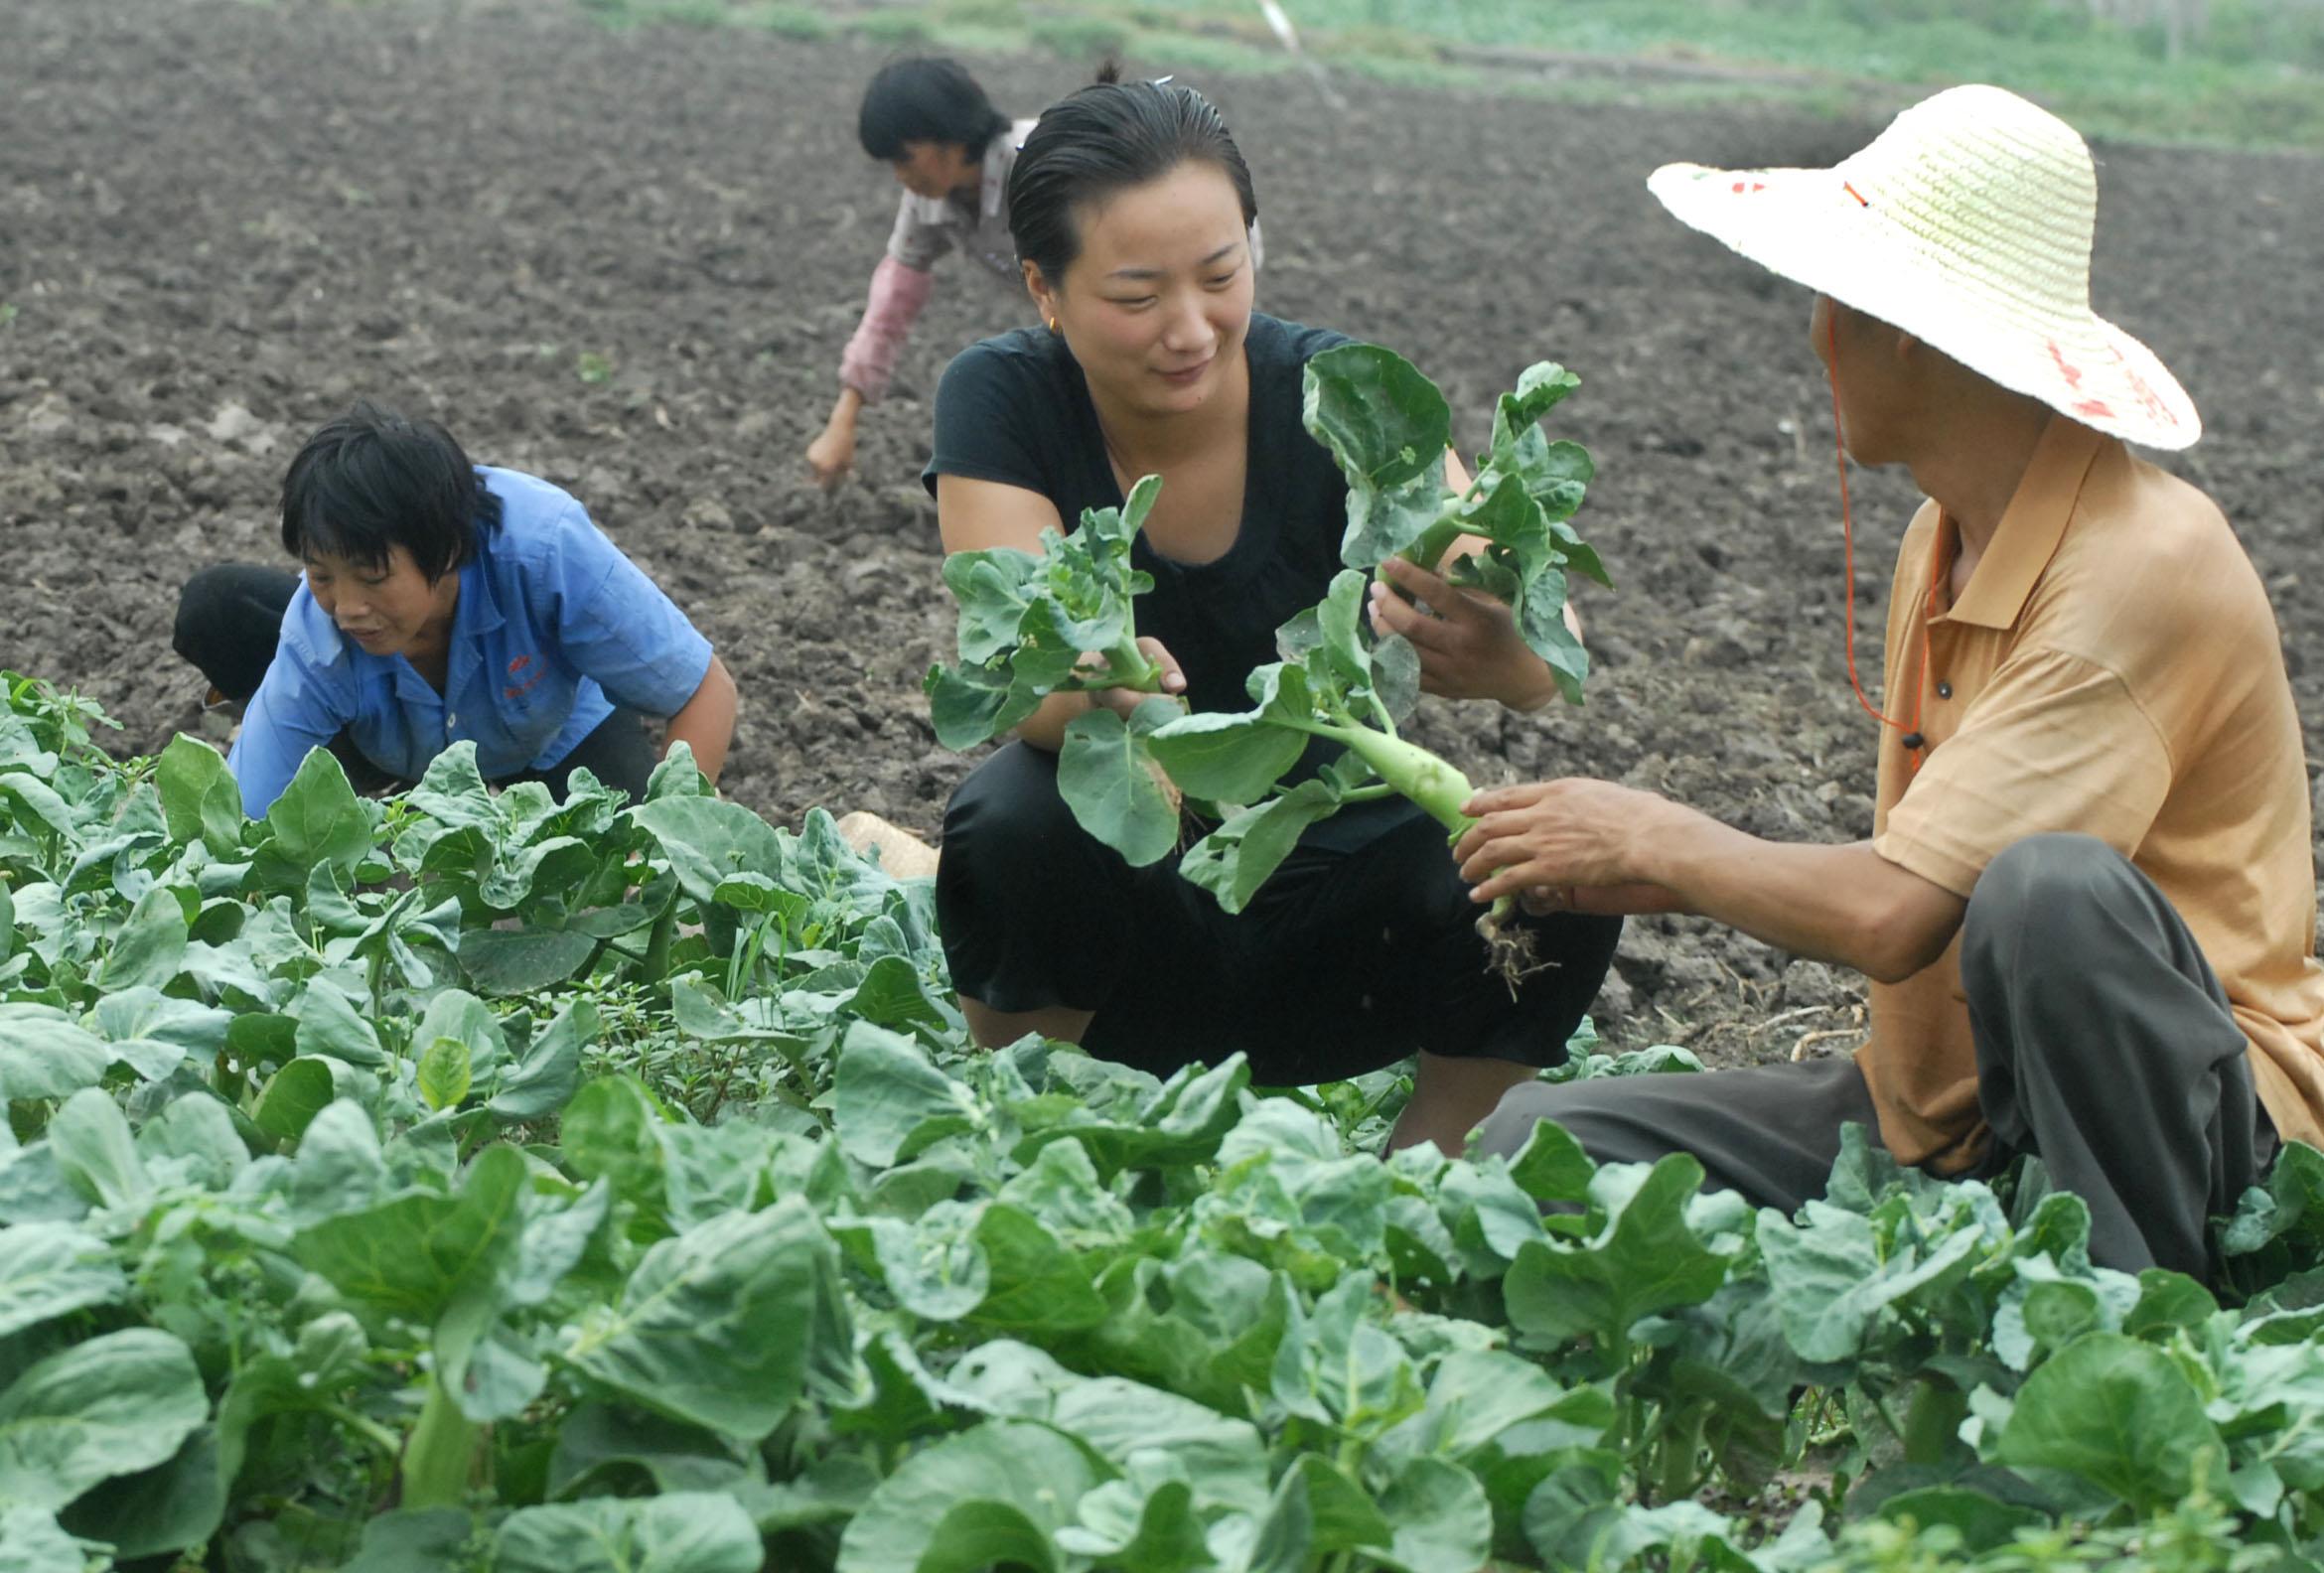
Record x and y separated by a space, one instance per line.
371 481
1107 137
924 98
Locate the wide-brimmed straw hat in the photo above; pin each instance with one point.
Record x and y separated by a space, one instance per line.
1967 224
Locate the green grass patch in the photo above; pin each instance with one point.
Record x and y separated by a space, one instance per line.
2255 76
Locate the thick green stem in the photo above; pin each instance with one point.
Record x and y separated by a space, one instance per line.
1126 667
1932 1421
1411 770
441 1453
1434 542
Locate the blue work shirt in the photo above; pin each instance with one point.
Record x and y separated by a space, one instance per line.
553 628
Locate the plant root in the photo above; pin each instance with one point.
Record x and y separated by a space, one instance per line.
1512 952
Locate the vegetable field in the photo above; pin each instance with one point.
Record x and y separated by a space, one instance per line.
470 1182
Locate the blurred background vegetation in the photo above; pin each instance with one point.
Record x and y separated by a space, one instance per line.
2243 73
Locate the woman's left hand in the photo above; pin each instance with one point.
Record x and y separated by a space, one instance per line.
1470 647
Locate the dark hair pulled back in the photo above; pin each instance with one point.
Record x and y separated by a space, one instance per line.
1106 138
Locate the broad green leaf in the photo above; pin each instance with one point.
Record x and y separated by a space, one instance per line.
682 1532
522 960
319 819
994 588
151 945
888 1101
544 1079
452 790
176 1505
457 1014
1541 620
1235 860
43 1054
1439 1519
198 797
600 1449
1643 1261
1983 1522
2118 1415
112 1405
1225 1459
197 1131
413 1541
968 706
1551 1165
710 1328
153 1033
411 1254
1387 427
996 1494
1225 757
96 1152
48 1270
293 1097
1343 1517
1108 778
1540 387
443 1074
338 1164
1036 1284
32 1541
330 1024
1139 1531
707 839
1828 1275
608 1133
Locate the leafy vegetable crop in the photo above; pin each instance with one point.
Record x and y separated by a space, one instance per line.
352 1218
1030 625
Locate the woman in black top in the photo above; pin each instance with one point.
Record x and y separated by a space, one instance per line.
1131 210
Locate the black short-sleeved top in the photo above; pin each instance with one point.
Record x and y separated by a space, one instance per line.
1016 409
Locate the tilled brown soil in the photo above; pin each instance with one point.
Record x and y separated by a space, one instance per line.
628 262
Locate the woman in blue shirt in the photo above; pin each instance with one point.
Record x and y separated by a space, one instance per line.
440 602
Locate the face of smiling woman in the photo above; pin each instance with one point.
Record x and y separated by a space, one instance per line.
1156 306
388 609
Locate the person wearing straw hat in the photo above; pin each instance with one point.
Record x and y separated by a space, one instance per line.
2088 906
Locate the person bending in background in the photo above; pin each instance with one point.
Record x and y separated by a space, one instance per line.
952 151
1133 212
2088 906
442 601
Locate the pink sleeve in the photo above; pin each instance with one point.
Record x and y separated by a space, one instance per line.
897 295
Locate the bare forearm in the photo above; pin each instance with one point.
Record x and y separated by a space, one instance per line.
705 723
848 408
1843 903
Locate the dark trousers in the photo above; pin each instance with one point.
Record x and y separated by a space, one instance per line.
2104 1046
1346 960
230 619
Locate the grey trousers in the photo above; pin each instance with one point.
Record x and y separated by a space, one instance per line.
2104 1045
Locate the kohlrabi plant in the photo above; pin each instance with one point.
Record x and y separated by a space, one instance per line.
1063 621
1390 427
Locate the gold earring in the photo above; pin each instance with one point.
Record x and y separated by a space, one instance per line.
1052 325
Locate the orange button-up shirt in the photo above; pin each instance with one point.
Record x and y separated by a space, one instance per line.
2111 667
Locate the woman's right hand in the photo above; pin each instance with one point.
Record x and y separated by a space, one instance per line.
832 454
1121 701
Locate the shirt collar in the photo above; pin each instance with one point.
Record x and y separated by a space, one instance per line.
1000 156
2031 528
